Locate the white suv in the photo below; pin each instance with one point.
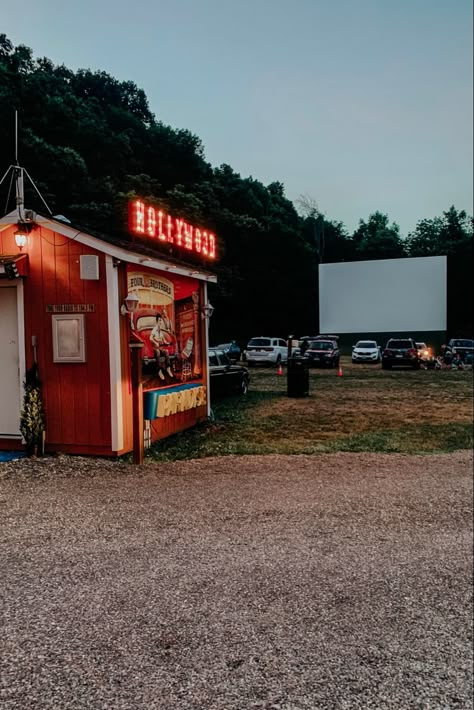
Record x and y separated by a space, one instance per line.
266 351
366 351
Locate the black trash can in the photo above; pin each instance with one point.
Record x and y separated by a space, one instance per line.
298 376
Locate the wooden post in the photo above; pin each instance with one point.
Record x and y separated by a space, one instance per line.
137 400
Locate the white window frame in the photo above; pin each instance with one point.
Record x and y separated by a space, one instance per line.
79 354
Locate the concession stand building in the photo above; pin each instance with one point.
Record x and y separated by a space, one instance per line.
79 305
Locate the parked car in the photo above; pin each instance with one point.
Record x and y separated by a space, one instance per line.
306 339
460 346
224 376
232 350
365 351
424 352
266 351
322 352
400 352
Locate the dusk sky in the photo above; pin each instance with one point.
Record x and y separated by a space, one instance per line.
362 105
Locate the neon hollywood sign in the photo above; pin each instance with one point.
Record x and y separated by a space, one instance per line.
150 222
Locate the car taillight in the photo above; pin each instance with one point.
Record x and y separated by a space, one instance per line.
386 351
412 352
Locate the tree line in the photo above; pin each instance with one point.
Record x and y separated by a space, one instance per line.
90 142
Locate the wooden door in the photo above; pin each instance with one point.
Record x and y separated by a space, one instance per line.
10 385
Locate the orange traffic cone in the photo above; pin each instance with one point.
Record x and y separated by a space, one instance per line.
280 369
339 372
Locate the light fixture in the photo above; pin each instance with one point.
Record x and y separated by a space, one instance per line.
20 238
207 310
130 304
23 228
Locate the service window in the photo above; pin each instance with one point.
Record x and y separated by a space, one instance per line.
69 343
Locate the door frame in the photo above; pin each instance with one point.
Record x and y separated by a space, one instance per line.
20 309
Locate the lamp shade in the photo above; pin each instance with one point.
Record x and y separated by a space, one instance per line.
207 310
131 302
20 239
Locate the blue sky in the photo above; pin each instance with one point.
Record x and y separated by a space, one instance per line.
359 104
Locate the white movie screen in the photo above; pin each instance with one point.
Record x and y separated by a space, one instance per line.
388 295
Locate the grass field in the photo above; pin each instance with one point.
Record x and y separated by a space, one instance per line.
367 409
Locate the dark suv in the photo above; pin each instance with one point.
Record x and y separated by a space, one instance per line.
322 352
400 352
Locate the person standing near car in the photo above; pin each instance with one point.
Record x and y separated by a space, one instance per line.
162 339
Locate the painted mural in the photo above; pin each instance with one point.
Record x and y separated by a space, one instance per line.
167 322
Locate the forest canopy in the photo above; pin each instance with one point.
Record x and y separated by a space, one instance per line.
89 141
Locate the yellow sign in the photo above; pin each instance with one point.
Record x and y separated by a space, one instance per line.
181 401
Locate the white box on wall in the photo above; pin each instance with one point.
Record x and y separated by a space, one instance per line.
89 267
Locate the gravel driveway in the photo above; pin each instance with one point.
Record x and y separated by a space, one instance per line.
291 583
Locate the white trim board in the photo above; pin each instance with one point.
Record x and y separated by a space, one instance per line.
115 363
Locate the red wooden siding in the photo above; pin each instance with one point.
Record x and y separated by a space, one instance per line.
76 395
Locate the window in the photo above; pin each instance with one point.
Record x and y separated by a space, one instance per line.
321 345
400 344
223 359
68 338
255 342
366 344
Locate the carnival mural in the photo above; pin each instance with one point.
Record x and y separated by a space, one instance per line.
166 321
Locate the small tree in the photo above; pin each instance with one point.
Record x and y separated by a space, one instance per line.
32 421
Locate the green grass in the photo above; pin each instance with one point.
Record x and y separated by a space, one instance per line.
366 410
425 439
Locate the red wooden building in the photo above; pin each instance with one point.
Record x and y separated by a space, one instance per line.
72 302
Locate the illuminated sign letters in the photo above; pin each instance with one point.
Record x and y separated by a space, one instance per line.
147 221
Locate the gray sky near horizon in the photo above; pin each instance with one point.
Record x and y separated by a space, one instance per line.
363 105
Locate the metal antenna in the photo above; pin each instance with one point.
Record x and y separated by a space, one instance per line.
16 137
19 185
18 173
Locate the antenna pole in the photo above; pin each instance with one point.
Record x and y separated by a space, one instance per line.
18 172
19 191
16 137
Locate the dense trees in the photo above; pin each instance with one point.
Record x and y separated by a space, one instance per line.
450 234
89 140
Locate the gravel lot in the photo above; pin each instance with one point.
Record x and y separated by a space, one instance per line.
290 583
